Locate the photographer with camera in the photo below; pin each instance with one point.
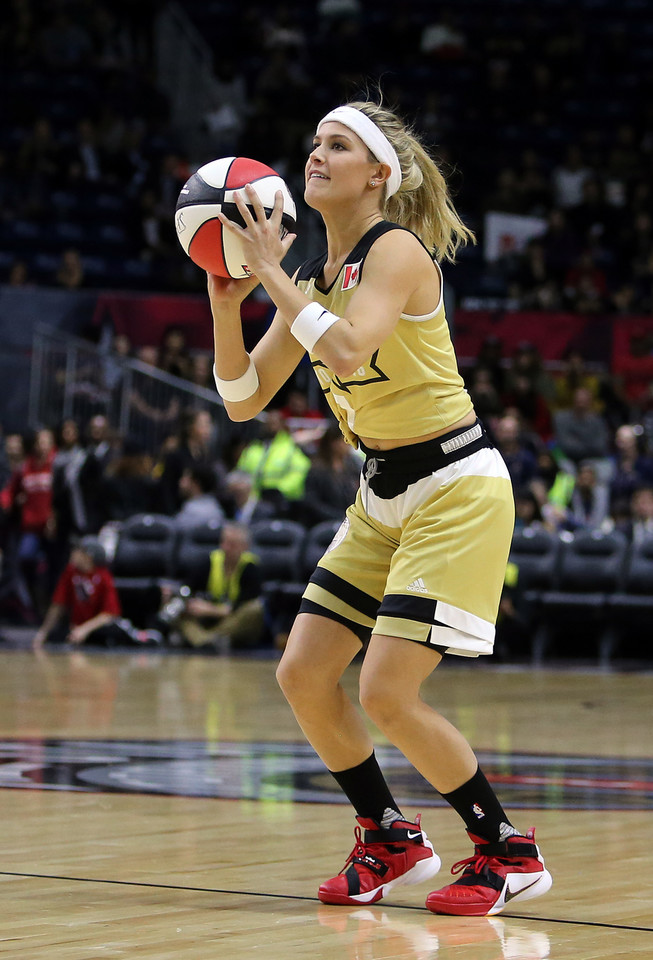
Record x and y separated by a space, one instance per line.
229 612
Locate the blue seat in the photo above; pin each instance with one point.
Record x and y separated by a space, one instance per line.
589 571
144 551
191 560
630 608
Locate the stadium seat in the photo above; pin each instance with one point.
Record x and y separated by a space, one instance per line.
278 545
589 570
144 551
192 554
631 607
317 540
536 554
284 598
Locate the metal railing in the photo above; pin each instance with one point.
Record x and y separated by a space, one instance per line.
73 379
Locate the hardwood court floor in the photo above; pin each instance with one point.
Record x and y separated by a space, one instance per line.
106 852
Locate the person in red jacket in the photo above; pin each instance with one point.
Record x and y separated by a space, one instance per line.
28 499
87 594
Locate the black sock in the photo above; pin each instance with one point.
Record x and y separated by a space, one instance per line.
368 792
479 806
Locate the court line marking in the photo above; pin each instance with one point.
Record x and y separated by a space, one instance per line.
290 896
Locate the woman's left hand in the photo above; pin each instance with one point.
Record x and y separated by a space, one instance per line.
263 245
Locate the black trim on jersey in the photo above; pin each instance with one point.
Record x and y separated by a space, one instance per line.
312 269
345 384
344 591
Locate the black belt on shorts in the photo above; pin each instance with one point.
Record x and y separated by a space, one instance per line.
390 474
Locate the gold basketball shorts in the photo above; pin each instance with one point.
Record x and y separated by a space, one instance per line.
422 552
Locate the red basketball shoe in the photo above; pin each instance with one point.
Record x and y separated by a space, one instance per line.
384 859
496 874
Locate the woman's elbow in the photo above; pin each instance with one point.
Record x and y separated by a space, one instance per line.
345 364
240 412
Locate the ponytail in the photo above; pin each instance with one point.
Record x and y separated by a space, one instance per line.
423 203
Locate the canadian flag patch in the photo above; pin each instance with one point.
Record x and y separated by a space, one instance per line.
352 275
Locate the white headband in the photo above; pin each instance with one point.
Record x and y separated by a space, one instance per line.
373 138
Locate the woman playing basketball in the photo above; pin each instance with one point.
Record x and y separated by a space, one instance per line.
420 558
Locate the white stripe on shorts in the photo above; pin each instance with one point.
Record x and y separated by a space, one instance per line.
462 620
486 462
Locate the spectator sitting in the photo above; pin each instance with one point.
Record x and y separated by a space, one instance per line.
332 480
641 514
230 612
521 462
569 177
586 286
174 357
277 465
551 484
490 358
70 273
575 375
533 409
200 507
590 501
631 468
581 433
195 448
485 397
528 515
240 503
201 371
86 592
128 486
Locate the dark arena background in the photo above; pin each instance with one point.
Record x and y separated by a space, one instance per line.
158 797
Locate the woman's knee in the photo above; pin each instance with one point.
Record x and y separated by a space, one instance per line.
384 701
290 677
299 683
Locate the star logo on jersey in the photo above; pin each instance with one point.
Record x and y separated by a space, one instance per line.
351 275
378 376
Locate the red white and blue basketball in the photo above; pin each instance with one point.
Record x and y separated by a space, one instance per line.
211 191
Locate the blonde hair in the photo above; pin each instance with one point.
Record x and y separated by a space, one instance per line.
423 202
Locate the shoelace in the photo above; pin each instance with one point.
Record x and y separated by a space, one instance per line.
359 846
474 864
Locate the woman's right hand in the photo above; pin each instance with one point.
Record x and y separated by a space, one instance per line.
226 290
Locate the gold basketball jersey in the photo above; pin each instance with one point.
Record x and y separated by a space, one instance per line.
410 386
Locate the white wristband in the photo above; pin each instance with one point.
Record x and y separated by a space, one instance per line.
242 388
311 323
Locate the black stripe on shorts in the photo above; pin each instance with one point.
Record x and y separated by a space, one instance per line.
420 609
309 606
344 591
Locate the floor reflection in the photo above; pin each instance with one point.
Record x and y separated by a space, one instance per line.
367 934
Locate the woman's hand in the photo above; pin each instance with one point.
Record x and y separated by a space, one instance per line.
225 290
261 239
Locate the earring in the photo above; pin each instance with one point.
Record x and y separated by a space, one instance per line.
372 183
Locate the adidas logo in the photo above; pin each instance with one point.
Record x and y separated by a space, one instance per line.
418 586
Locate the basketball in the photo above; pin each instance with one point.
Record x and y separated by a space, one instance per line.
211 191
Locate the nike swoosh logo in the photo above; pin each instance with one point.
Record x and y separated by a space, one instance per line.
511 896
413 836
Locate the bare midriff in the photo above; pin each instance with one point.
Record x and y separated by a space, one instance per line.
375 444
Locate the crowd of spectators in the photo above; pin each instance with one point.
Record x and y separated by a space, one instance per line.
579 455
541 110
